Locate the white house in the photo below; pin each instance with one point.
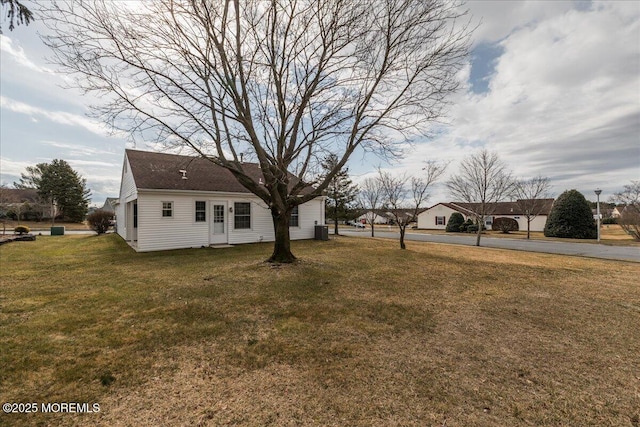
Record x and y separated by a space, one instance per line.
437 216
379 217
169 201
617 211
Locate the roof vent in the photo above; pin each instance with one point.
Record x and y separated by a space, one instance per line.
184 173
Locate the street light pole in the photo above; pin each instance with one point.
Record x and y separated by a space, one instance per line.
598 191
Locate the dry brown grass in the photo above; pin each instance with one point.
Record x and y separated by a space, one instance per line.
358 333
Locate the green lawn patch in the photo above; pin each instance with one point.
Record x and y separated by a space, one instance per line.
357 333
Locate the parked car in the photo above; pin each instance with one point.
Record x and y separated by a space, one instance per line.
359 225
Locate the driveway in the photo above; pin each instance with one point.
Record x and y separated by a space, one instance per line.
591 250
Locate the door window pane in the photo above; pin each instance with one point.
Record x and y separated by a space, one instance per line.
218 219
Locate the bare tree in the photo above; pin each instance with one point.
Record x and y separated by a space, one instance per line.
405 195
531 197
281 82
630 216
483 181
370 200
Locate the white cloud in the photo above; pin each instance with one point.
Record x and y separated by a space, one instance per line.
18 54
61 117
563 101
77 150
93 163
13 168
498 18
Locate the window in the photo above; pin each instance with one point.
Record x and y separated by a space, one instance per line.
241 215
294 219
440 220
201 211
167 209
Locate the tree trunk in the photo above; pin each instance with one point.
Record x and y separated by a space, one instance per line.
335 226
282 245
402 230
528 228
372 234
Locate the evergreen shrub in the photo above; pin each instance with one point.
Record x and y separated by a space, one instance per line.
571 217
455 221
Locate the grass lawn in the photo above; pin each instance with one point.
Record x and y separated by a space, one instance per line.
358 333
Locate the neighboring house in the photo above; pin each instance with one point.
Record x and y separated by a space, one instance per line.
404 215
379 217
22 204
169 201
437 216
617 211
110 204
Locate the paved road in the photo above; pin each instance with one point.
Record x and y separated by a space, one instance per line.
591 250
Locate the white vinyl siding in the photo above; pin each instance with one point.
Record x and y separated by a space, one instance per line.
128 192
155 234
310 214
429 219
537 224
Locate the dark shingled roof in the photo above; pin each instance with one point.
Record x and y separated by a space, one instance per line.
161 171
502 208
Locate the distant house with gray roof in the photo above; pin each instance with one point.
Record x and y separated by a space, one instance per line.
436 217
110 204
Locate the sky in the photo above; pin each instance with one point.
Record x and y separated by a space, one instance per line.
553 87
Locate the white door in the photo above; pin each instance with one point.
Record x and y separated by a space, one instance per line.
218 226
